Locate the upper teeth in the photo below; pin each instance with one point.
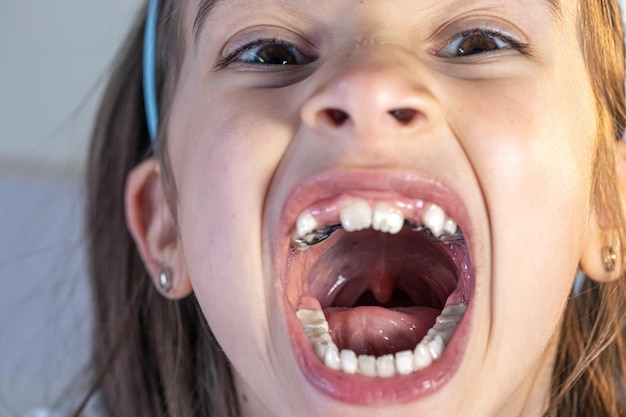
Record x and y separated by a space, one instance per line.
387 218
356 216
359 215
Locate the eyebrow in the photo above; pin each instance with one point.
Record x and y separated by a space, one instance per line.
205 7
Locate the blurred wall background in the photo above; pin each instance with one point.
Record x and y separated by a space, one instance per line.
54 59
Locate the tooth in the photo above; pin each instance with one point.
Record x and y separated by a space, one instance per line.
356 216
331 357
312 318
436 347
317 334
385 366
421 357
455 310
404 362
320 350
430 348
446 333
449 226
305 224
387 218
434 218
349 361
443 319
367 365
445 330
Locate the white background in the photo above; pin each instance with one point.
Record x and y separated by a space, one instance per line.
54 57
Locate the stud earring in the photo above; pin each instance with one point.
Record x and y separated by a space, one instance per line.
609 257
165 280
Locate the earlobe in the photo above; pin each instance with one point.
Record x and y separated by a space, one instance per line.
153 228
602 259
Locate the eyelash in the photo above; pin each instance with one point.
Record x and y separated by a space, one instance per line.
261 45
494 36
265 43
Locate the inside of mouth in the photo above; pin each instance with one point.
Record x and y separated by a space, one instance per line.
380 293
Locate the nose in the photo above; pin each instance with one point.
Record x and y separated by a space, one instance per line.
370 97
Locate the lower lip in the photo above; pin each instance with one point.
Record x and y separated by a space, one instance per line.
362 390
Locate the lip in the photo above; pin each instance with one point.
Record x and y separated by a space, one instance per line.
358 389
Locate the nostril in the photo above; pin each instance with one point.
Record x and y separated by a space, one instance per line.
404 116
336 116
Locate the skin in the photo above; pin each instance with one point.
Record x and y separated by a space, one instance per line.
506 130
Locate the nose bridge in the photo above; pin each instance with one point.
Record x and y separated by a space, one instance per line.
370 93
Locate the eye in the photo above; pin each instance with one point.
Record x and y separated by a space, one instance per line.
269 52
478 41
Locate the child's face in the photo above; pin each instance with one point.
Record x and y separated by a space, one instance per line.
376 111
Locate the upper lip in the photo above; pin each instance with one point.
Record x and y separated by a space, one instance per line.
385 184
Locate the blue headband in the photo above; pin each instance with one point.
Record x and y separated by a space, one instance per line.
149 63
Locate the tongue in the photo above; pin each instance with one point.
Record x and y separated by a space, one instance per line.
378 331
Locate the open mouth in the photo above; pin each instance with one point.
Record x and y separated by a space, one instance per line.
379 285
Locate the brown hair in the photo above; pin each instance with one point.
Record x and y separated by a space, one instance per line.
155 357
590 370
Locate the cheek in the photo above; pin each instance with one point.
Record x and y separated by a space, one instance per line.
223 161
533 153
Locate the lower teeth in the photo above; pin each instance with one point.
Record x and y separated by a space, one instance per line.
428 350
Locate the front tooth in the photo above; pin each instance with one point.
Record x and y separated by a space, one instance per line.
367 365
356 216
349 361
404 362
385 366
449 226
387 218
305 224
434 219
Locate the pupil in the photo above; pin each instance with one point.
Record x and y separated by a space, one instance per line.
276 55
477 44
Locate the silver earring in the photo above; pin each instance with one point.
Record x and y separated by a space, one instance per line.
165 280
609 257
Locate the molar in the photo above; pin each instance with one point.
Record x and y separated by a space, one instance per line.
305 224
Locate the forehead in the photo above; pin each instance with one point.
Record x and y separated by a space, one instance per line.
206 7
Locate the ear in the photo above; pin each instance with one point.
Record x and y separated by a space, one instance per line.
603 242
154 229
